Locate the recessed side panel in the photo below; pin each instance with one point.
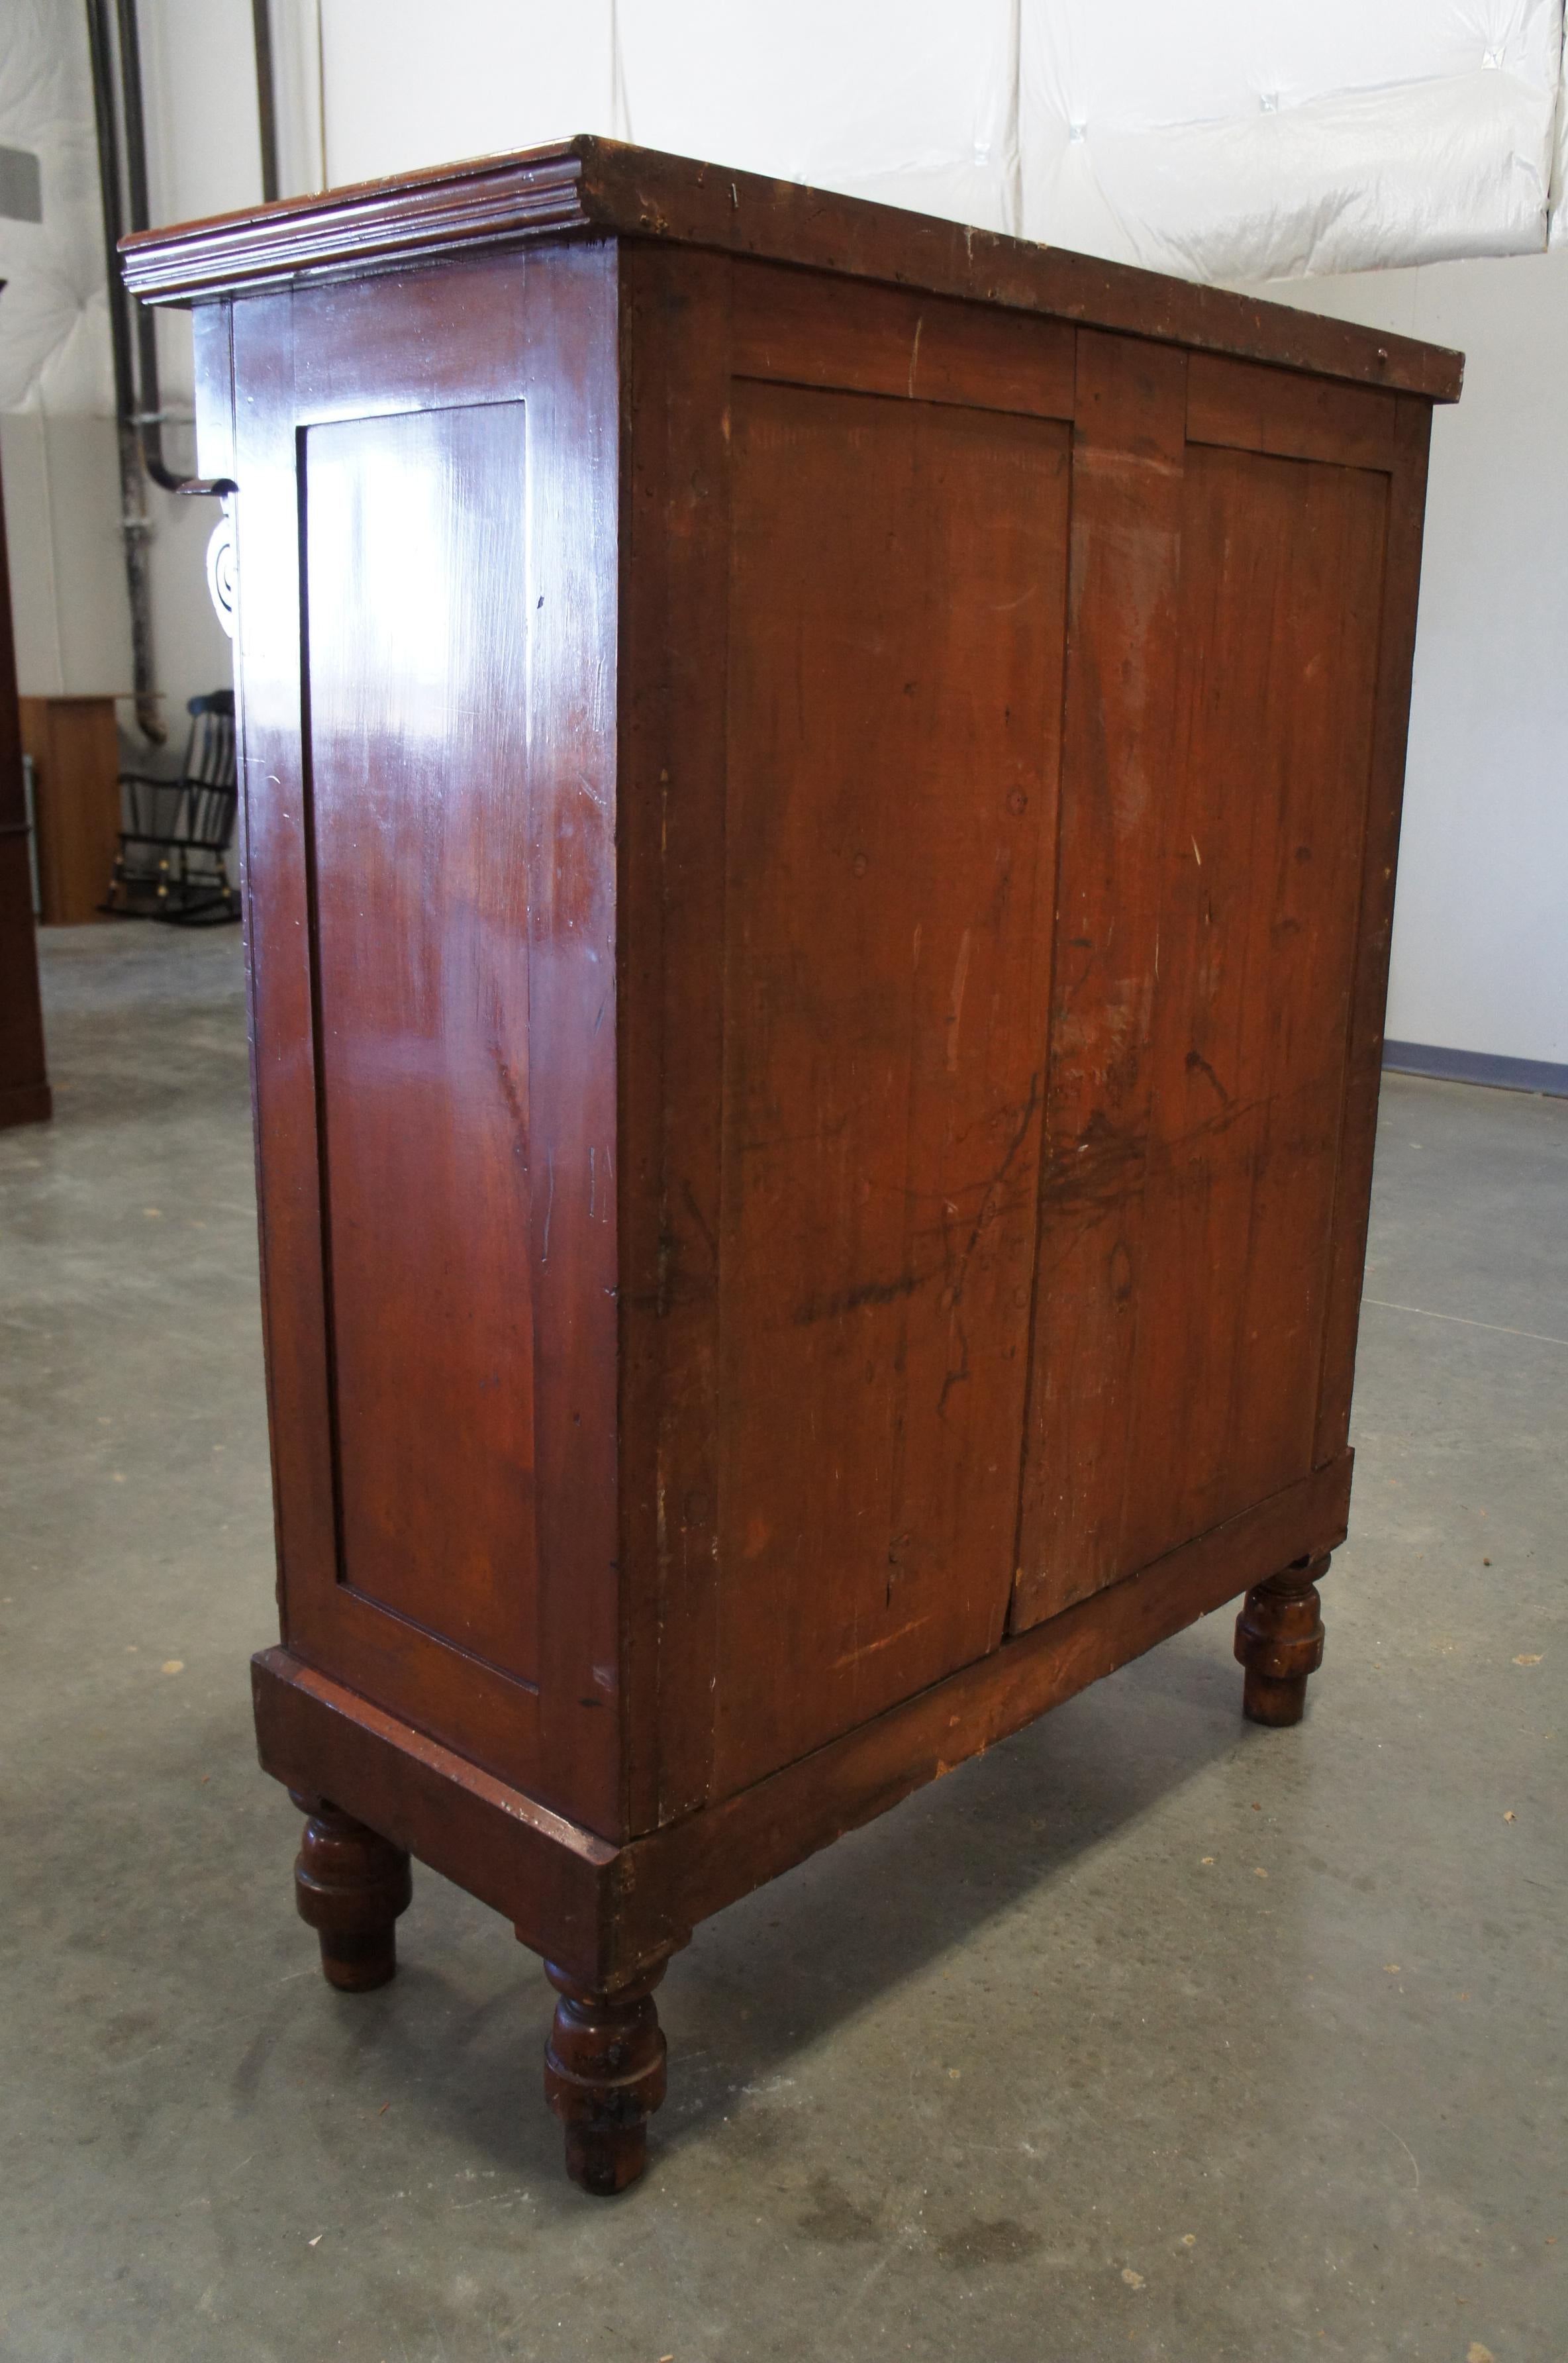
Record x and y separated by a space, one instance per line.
416 643
895 650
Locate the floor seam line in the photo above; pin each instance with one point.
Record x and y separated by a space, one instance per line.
1500 1328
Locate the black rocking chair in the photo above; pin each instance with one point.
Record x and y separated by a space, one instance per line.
173 859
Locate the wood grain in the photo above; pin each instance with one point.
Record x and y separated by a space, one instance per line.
350 1886
794 326
544 1872
673 694
1246 408
602 185
604 2075
1396 640
604 1912
482 928
1282 585
1118 727
415 652
895 650
1178 1381
693 1870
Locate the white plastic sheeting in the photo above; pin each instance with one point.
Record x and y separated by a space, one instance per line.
1222 139
1232 141
54 344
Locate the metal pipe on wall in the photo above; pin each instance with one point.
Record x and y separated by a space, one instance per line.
135 525
266 99
148 418
114 47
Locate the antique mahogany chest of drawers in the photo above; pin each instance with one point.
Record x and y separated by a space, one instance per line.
819 804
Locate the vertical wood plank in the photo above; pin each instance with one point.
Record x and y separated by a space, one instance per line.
1128 455
274 822
1282 564
1397 647
570 315
895 648
675 609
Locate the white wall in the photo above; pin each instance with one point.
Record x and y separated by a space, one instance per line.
405 86
1481 925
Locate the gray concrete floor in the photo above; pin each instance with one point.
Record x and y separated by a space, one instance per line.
1151 2035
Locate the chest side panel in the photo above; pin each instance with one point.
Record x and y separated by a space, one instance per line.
427 570
896 588
1210 891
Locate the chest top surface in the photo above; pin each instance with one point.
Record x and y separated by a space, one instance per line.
586 185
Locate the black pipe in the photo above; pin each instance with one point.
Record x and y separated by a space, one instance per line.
133 518
149 417
138 405
266 100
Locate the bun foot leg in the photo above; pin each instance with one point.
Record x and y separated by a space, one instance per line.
350 1885
604 2076
1279 1641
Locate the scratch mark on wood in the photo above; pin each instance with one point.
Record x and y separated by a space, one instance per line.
955 1000
1197 1062
695 1211
883 1641
850 1300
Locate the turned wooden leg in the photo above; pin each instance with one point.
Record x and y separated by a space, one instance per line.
1279 1640
604 2077
350 1885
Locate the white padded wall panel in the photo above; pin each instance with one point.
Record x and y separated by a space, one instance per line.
53 319
1559 231
1219 138
1356 183
1153 66
1232 140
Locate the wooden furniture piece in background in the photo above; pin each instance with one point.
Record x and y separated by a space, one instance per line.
75 747
820 795
24 1096
171 862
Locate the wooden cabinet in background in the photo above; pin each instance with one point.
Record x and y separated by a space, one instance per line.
820 794
75 749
